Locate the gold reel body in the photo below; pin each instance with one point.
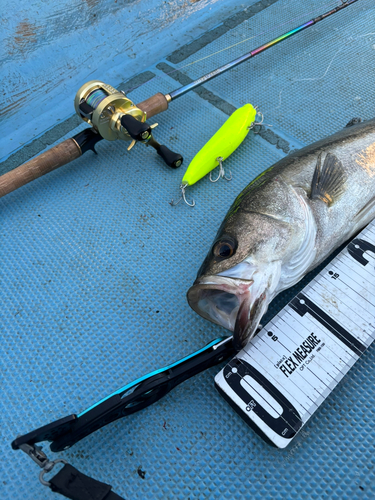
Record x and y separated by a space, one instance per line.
102 106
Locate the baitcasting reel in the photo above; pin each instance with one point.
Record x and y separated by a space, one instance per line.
114 116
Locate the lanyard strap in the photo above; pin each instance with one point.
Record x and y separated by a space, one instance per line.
71 483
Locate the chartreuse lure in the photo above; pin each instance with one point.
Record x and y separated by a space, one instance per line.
218 148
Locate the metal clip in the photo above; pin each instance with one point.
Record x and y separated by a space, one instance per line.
40 458
35 453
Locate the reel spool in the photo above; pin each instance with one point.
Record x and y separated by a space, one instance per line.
114 116
102 106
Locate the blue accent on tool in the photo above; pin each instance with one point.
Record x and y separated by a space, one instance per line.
144 391
156 372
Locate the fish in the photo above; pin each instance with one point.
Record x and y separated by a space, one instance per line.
286 222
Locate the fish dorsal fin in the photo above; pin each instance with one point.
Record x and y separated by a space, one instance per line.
328 181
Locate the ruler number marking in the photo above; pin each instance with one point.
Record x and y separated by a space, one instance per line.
299 358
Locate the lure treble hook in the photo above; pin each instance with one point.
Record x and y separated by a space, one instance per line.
260 114
182 197
222 175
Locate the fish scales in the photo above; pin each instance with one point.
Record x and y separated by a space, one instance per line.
285 223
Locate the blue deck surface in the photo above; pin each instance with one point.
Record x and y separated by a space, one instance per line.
95 266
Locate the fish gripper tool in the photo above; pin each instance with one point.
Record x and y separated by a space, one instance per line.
133 397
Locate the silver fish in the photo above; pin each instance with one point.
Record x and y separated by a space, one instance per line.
283 224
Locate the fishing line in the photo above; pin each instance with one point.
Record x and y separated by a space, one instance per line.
95 98
310 79
247 39
156 77
130 123
319 77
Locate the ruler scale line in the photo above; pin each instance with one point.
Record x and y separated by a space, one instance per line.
345 352
303 353
327 321
345 305
255 363
313 387
343 355
358 288
343 288
366 277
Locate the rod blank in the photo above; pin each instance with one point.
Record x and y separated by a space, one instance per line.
219 71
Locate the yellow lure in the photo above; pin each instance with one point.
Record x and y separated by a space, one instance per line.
221 145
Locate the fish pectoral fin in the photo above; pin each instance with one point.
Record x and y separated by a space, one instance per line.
328 182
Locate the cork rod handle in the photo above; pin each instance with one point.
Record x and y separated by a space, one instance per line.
154 105
55 157
66 152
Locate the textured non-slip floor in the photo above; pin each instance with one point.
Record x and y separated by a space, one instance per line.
95 265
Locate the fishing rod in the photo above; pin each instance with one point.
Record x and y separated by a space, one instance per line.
114 116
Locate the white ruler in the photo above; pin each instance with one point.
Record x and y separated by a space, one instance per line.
284 374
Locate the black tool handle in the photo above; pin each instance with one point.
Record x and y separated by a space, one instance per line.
145 394
69 430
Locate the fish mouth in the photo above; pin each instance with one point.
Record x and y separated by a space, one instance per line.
228 302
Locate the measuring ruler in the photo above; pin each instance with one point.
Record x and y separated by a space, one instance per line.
286 372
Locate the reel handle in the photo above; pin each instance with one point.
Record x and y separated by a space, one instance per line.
138 131
70 150
141 131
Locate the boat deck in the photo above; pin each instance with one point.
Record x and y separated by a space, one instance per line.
96 264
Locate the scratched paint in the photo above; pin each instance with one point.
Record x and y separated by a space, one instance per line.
26 34
50 48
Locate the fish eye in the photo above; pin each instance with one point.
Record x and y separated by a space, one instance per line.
224 248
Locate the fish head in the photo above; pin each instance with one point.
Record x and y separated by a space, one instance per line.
241 272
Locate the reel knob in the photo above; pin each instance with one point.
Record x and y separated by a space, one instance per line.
141 131
115 116
173 160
